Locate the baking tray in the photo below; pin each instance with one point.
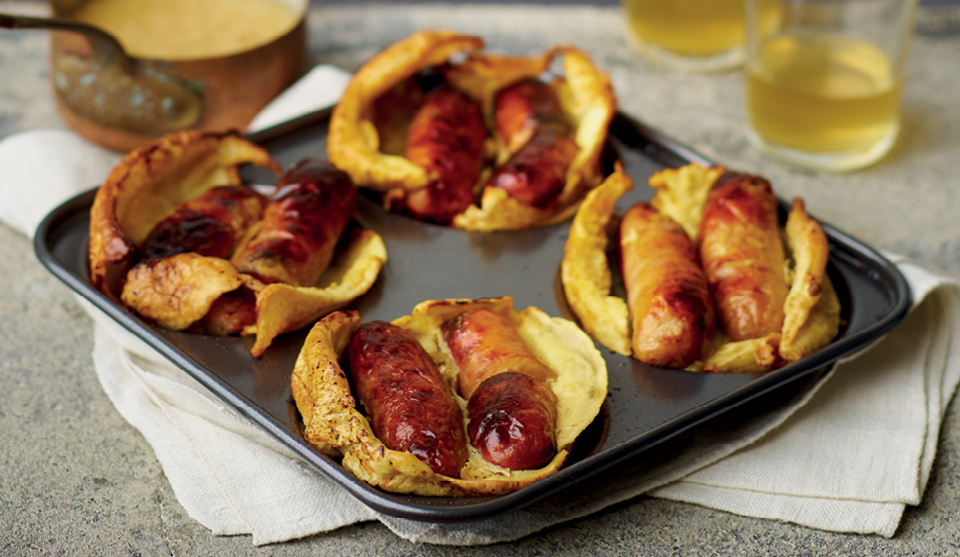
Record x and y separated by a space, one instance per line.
645 407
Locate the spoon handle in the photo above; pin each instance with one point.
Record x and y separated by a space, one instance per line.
105 46
112 89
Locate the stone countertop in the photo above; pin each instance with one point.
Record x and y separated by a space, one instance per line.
76 479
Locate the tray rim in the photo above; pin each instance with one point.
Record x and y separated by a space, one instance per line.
406 506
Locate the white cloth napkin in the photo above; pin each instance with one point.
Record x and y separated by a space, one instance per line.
848 456
320 88
862 449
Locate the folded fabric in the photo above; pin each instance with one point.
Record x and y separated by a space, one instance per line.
862 449
229 474
39 169
847 456
320 88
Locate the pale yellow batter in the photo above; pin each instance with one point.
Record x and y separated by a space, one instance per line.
190 29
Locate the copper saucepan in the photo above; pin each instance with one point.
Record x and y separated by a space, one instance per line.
123 105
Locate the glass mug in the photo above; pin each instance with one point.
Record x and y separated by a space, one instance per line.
823 87
697 36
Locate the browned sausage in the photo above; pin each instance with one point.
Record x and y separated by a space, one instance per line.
312 206
743 257
533 126
410 406
446 137
229 314
522 107
484 343
211 224
670 308
513 421
512 412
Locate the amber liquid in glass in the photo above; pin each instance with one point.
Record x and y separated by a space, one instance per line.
687 27
822 94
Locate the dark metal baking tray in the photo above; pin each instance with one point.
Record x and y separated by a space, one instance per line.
646 406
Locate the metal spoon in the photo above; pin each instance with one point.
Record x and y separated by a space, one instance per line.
113 89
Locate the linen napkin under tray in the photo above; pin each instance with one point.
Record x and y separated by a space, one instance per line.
650 413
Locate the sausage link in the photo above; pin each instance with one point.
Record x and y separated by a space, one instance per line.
211 224
512 412
743 257
484 343
522 107
446 137
670 308
513 421
301 226
410 406
532 124
537 172
230 313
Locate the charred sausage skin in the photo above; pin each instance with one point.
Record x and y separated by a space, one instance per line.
410 406
211 224
447 138
743 256
301 225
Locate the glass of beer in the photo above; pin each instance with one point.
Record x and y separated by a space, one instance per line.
697 36
823 86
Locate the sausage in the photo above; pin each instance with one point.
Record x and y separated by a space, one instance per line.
301 225
446 137
536 173
743 257
513 420
522 107
410 406
532 124
211 224
229 314
512 412
484 343
670 308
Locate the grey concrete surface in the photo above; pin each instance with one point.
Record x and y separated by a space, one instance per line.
76 479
